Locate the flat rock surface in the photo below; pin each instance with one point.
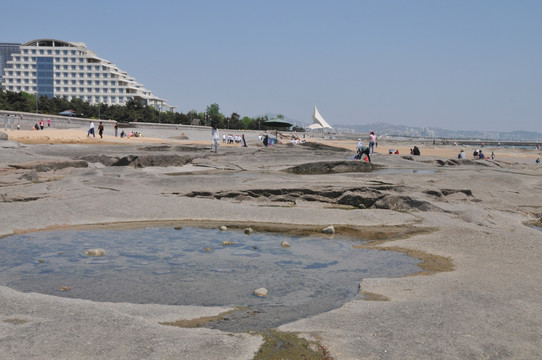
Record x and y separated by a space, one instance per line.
488 307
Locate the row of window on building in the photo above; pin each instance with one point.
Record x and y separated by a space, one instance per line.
66 82
91 98
50 52
65 74
26 60
65 89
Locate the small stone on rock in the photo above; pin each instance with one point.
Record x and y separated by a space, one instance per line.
223 228
329 230
261 292
94 252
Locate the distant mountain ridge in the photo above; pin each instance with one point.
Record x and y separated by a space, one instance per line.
430 132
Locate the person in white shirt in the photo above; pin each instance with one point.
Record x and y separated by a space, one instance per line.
91 130
215 139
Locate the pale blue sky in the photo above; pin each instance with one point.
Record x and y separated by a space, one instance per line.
460 65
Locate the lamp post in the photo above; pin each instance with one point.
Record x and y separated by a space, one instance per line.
159 111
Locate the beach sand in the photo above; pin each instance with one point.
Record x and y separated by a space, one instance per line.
480 298
79 136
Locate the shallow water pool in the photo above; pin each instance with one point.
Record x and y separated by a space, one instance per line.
191 266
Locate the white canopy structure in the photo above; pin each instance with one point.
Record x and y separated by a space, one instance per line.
319 122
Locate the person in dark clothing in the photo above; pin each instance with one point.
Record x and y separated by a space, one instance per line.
363 151
416 151
101 129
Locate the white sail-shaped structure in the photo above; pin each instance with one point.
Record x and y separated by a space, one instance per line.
319 122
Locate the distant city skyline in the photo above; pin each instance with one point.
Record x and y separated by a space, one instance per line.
458 65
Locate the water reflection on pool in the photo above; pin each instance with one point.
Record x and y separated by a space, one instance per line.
191 266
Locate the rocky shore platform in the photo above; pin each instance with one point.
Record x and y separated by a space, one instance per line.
480 299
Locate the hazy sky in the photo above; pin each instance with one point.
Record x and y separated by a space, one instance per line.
460 65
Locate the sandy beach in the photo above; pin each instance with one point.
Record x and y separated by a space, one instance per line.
79 136
480 299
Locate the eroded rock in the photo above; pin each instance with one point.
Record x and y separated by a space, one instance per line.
404 203
329 167
42 166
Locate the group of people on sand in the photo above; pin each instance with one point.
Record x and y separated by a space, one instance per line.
230 139
215 139
40 125
478 154
91 129
101 129
365 152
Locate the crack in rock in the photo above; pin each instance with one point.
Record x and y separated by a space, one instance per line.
359 197
43 166
141 161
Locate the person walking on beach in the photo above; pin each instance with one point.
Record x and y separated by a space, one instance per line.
372 140
116 127
215 139
101 129
91 129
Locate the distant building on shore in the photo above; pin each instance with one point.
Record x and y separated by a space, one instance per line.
56 68
6 49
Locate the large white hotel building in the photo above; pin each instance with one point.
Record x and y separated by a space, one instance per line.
56 68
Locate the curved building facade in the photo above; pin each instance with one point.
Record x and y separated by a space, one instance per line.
56 68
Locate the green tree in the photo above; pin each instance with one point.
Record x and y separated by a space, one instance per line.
213 110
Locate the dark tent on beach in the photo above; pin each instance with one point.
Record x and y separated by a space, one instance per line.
277 124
